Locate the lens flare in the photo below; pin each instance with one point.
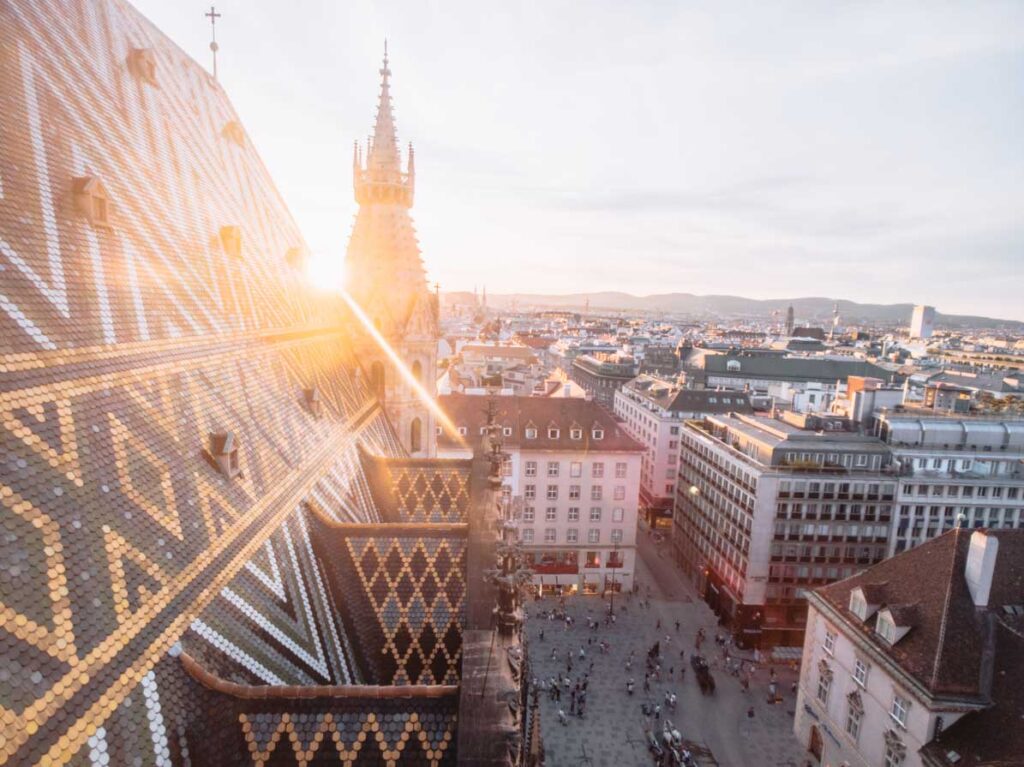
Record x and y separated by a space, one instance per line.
421 392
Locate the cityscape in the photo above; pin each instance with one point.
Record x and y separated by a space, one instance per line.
266 506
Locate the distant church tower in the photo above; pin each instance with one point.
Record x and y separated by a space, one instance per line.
385 276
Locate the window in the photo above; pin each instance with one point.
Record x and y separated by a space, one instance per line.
595 514
552 433
830 642
462 431
900 707
597 434
574 513
549 535
824 682
595 493
860 672
552 492
620 470
553 468
574 492
572 535
529 492
415 436
550 514
531 468
597 470
593 535
507 431
576 469
576 433
620 492
858 606
617 515
885 629
528 514
526 535
893 757
531 434
617 535
854 715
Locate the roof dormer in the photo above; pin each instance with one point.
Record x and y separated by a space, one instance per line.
597 430
233 132
142 65
895 621
91 200
312 402
865 600
223 453
575 431
231 240
530 430
553 430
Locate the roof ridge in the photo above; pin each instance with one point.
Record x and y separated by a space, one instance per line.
945 609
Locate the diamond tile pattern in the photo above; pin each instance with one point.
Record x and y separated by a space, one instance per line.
137 318
416 490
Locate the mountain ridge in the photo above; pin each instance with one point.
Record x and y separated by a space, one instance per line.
806 308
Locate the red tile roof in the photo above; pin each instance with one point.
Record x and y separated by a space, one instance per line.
520 413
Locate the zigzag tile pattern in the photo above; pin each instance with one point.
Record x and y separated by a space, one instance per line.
129 333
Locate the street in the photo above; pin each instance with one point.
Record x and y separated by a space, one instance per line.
716 727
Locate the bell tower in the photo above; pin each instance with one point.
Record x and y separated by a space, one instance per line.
385 276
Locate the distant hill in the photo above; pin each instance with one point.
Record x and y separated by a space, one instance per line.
812 308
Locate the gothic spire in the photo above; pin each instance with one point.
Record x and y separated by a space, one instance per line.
383 161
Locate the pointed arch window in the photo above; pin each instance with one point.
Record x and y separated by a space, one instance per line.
417 371
415 436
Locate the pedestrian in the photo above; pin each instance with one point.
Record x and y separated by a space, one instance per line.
657 711
583 653
562 718
677 629
750 713
542 635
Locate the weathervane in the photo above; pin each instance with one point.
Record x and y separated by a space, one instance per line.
213 16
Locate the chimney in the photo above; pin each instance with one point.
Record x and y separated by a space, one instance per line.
981 565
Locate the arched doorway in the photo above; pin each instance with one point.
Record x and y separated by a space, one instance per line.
816 747
415 436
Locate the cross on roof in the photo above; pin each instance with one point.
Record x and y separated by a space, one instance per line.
212 15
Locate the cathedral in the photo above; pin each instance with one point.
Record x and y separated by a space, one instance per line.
385 276
223 537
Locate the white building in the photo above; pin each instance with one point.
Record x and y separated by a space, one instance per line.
922 322
953 467
573 475
652 412
892 660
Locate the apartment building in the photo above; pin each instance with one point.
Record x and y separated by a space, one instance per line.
572 475
768 508
652 411
602 375
901 670
953 468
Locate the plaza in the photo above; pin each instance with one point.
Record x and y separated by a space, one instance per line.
716 728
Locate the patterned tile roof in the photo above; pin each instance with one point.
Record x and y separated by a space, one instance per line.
162 468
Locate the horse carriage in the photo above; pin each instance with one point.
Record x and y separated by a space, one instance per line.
704 678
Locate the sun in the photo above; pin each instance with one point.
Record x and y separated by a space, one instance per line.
325 272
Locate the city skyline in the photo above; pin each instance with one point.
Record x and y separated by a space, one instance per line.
661 150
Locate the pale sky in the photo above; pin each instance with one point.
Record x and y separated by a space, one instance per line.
859 150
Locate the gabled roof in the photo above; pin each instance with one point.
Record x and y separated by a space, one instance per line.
925 588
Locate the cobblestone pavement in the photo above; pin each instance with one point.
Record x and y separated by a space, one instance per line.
613 730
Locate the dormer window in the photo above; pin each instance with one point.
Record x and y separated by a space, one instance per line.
885 629
233 132
91 200
311 399
857 605
531 433
576 433
142 64
597 434
231 240
296 258
506 431
223 453
462 431
552 433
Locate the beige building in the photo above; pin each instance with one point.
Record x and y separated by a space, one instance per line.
573 478
901 670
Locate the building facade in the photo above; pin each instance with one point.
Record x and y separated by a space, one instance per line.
767 509
572 475
922 322
903 671
953 469
602 375
652 411
386 279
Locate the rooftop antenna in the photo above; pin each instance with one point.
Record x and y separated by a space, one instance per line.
213 16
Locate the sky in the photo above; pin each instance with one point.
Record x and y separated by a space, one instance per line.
871 151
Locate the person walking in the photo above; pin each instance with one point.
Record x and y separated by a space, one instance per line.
563 718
